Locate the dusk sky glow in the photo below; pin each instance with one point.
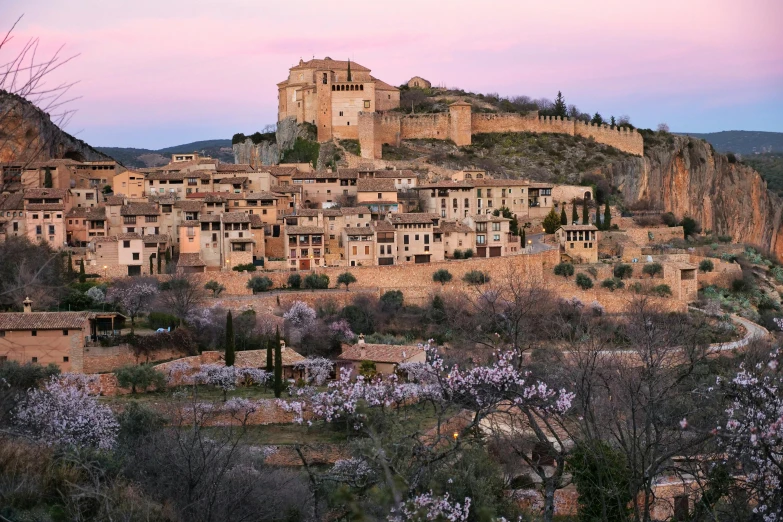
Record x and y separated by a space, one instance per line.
156 73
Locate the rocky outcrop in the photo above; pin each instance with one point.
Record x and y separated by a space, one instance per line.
687 177
28 134
267 152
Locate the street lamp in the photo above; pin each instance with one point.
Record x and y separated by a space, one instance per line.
456 436
104 271
529 245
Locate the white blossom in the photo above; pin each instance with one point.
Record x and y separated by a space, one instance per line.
317 370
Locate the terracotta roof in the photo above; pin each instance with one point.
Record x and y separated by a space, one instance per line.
210 197
234 180
447 183
257 358
45 206
139 209
386 353
413 218
487 218
13 201
286 189
383 226
499 182
291 230
375 185
381 85
453 226
317 174
578 227
129 235
87 213
278 171
329 64
45 193
156 238
307 212
394 174
115 200
233 167
43 320
256 221
188 206
190 260
242 240
236 217
209 218
103 239
359 231
260 196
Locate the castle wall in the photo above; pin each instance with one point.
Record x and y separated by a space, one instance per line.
627 140
424 126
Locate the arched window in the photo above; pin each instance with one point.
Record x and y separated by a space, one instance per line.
332 87
325 79
361 87
455 202
467 202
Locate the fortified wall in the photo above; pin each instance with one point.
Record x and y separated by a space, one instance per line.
460 124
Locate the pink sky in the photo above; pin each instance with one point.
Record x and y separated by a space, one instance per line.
159 73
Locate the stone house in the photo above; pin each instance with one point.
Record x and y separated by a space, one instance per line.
492 235
304 247
456 236
130 184
416 239
359 246
12 220
45 211
140 218
578 243
378 194
417 82
84 223
386 357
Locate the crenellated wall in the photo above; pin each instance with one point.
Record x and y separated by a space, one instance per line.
460 124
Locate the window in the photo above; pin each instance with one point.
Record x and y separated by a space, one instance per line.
65 332
65 359
38 229
481 239
366 103
353 250
2 333
35 359
426 239
405 240
135 256
126 244
152 219
51 229
341 113
380 195
34 333
496 227
496 237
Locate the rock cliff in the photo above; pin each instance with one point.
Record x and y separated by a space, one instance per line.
270 152
687 177
28 134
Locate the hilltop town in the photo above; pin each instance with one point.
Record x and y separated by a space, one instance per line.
335 309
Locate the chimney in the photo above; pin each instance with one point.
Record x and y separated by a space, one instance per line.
361 338
282 345
28 305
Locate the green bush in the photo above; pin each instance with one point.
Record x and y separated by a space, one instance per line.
583 281
593 272
669 219
612 284
725 239
294 281
26 376
316 281
215 287
140 376
740 285
468 253
652 269
551 222
157 320
622 271
303 151
661 291
259 284
564 269
458 254
689 226
247 267
392 301
706 265
476 277
346 278
442 276
636 288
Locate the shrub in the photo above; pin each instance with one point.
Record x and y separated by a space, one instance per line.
622 271
636 288
740 285
725 239
140 376
247 267
706 266
316 281
294 280
731 157
468 253
346 278
157 320
689 226
564 269
458 254
583 281
612 284
669 219
551 222
442 276
215 287
652 269
392 301
259 284
661 291
593 272
476 277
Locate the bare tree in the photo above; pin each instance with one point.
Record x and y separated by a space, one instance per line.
182 294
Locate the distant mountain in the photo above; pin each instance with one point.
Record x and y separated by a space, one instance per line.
137 158
742 142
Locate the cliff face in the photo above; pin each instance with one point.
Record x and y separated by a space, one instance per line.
268 152
685 176
28 134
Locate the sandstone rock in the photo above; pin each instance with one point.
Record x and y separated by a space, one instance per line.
28 134
687 177
270 153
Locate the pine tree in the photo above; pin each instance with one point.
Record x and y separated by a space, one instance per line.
607 217
278 365
82 274
48 178
230 354
560 108
574 213
585 213
563 217
551 222
612 122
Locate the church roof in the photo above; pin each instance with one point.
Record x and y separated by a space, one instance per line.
328 63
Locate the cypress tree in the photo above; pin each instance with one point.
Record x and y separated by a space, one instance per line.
574 213
563 217
82 274
270 364
522 235
278 365
48 178
230 354
585 213
160 259
70 266
151 265
607 217
168 258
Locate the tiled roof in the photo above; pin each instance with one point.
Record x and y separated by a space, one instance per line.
571 228
317 174
348 173
190 260
292 230
13 201
413 218
500 183
287 189
257 358
139 209
381 85
489 218
242 240
234 180
383 226
45 206
156 238
385 353
87 212
329 64
45 193
43 320
104 239
256 221
129 235
233 167
209 218
236 217
447 184
278 171
260 196
453 226
375 185
308 212
359 231
212 197
189 206
115 200
394 174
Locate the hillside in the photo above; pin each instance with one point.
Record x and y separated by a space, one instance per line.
770 166
133 157
742 142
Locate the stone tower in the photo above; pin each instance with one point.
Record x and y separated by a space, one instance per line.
323 89
460 123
